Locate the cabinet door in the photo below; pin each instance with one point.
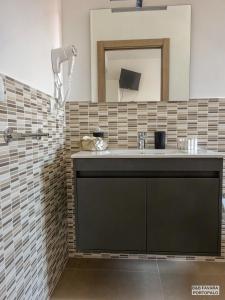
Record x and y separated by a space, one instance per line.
111 214
183 216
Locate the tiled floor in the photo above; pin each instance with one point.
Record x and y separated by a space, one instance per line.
98 279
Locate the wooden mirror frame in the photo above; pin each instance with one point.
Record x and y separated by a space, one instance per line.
163 44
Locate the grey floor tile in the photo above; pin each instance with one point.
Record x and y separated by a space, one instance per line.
190 267
179 287
177 278
102 279
213 280
106 284
114 264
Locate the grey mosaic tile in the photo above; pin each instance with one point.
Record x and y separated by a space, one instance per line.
33 238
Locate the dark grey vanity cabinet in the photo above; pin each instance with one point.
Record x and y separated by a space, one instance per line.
112 214
155 206
183 216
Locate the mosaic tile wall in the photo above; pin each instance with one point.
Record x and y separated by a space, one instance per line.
122 121
33 226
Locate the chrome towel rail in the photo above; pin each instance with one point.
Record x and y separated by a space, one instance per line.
10 135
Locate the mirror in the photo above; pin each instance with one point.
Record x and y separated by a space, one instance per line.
133 70
141 55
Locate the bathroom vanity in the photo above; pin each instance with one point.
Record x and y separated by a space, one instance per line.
150 201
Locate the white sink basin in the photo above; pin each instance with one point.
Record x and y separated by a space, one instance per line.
146 153
143 152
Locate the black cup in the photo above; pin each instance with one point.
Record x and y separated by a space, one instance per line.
160 140
139 3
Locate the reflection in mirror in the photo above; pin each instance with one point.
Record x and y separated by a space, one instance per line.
131 70
133 75
118 35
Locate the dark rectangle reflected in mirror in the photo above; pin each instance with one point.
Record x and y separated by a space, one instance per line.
129 80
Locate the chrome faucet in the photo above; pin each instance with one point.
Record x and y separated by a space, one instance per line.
141 140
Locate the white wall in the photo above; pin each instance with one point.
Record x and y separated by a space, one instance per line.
29 29
207 51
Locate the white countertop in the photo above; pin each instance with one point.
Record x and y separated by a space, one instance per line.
147 153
